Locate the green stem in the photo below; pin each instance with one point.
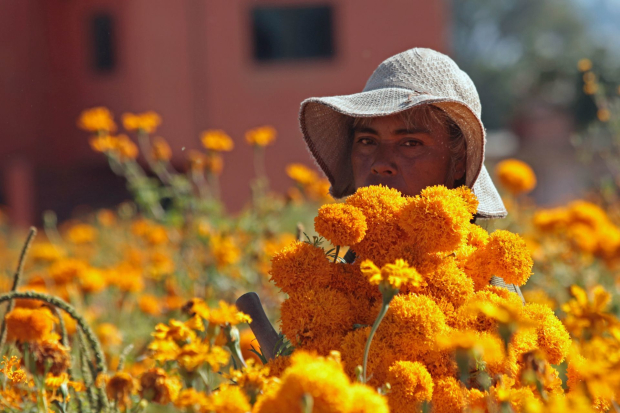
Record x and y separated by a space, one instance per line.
16 280
384 309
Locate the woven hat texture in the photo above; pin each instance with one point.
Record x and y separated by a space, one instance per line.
415 77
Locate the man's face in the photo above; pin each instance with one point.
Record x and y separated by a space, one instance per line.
389 151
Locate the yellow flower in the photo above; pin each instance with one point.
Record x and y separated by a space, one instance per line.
300 265
146 122
149 304
27 324
301 174
125 148
50 356
261 136
584 65
120 387
447 396
411 384
46 252
161 150
516 176
96 120
508 257
539 296
67 270
175 330
103 143
228 399
157 387
583 313
553 339
225 250
394 275
551 219
192 399
340 224
196 353
217 141
109 334
366 400
224 314
437 220
81 234
313 314
6 367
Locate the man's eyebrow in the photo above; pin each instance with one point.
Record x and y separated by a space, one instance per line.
411 131
365 129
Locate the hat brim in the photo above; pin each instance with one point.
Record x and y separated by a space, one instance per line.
326 126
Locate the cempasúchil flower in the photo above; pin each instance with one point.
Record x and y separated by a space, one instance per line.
340 224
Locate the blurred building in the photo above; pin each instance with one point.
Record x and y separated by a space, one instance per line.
226 64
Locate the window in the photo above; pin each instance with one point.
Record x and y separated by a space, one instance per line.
104 58
292 32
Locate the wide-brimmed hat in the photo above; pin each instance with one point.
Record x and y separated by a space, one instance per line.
415 77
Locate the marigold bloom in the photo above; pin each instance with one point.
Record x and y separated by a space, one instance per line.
539 296
103 143
125 148
516 176
261 136
477 237
307 314
412 323
67 270
46 252
447 280
395 275
508 257
301 174
161 150
548 220
214 164
6 367
27 324
381 206
321 378
366 400
149 304
587 213
447 396
109 334
298 266
553 339
217 140
411 385
437 220
228 399
224 314
191 399
224 250
146 122
120 387
50 356
157 387
96 120
278 365
196 354
340 224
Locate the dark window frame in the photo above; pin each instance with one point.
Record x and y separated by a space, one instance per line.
102 44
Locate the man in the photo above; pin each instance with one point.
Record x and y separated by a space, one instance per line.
415 124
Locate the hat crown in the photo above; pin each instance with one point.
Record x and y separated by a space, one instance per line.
426 71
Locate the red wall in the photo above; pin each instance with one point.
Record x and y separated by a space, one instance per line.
189 60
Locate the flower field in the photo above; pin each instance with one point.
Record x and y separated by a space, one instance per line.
132 309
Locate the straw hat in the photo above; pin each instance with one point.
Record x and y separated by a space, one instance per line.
414 77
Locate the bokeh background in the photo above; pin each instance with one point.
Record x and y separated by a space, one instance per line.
238 64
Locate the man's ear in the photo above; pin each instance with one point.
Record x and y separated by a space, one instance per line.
459 170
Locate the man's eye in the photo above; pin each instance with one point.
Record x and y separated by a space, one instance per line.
365 141
413 143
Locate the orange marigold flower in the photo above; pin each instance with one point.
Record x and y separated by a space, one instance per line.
412 323
261 136
125 148
157 387
6 367
340 224
551 219
81 234
307 314
149 304
447 280
109 334
394 275
298 266
321 378
553 339
477 236
301 174
192 399
225 250
103 143
516 176
27 324
214 163
411 385
509 257
161 150
278 365
587 213
224 314
447 396
196 354
146 122
46 252
366 400
120 387
96 120
217 141
228 399
437 220
50 356
381 206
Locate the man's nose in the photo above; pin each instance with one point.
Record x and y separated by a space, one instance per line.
384 165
